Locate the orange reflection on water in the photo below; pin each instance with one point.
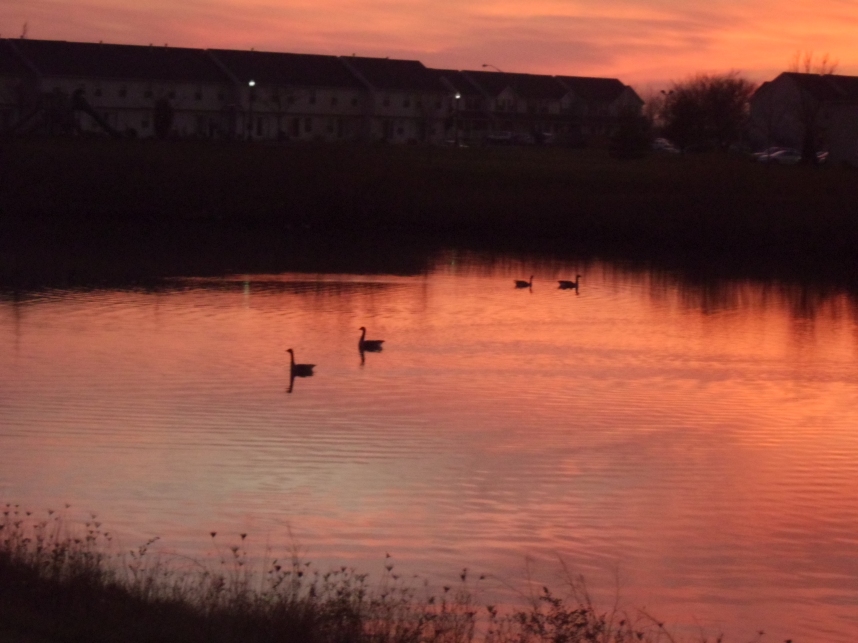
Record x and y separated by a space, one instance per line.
700 440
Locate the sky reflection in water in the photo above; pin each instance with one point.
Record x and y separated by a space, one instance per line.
699 444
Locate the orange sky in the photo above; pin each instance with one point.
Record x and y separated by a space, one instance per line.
642 42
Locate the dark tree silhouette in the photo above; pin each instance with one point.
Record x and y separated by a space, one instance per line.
632 137
707 111
163 118
807 107
771 113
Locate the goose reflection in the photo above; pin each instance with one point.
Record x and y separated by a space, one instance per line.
520 283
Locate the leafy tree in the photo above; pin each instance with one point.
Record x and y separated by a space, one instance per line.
707 110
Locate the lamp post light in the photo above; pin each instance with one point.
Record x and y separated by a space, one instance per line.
251 96
458 96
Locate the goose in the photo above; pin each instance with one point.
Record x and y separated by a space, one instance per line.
299 370
524 284
369 345
564 283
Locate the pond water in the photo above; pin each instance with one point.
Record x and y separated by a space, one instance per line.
694 445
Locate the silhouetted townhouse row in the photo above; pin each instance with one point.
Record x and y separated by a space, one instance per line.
59 87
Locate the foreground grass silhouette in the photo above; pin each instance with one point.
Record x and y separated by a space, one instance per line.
58 583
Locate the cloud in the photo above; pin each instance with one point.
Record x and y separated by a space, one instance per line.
637 40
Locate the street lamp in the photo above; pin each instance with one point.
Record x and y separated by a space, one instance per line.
456 117
251 95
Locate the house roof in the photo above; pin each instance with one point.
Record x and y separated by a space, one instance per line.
826 87
764 86
95 60
535 86
134 62
286 69
395 75
457 81
594 89
11 63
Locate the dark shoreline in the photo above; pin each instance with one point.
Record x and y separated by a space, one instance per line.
128 211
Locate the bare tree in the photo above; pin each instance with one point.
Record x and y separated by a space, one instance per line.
653 106
806 109
804 63
805 106
770 115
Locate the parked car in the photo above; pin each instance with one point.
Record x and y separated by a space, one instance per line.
779 155
663 145
786 156
499 138
765 155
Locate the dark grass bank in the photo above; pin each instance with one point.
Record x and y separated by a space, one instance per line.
61 584
680 209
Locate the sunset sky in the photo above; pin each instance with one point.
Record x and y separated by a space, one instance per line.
646 43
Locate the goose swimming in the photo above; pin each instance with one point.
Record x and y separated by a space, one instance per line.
565 284
368 345
299 370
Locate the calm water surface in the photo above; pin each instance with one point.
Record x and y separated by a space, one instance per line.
696 446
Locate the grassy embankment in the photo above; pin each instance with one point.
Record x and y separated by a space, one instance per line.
695 207
70 586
